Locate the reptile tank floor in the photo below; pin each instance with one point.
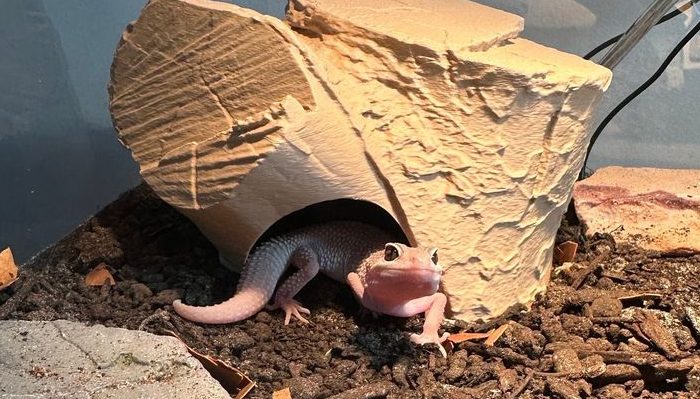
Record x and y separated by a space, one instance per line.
631 317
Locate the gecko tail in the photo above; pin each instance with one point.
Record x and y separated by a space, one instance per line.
256 286
244 304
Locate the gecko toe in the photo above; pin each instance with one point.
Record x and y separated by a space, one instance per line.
300 317
292 308
431 338
294 311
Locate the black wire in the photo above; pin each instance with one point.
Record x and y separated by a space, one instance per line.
613 40
602 47
638 91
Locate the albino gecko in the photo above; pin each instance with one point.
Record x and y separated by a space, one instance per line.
386 277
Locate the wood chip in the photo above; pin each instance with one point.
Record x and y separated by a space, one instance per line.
619 277
282 394
625 357
494 336
656 333
231 379
373 390
99 276
526 381
613 320
8 269
592 266
565 252
641 297
509 356
693 317
619 374
674 369
468 336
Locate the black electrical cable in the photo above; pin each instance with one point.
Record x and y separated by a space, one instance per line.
613 40
638 91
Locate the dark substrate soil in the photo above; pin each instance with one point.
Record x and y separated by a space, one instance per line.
591 335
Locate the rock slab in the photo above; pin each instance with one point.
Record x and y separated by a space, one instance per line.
657 209
63 359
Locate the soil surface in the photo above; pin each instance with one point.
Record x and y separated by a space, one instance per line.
616 323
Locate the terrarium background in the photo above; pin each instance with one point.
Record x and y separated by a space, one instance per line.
60 160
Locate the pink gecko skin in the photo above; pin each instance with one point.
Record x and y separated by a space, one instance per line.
388 278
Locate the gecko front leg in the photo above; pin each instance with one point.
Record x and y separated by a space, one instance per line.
434 308
355 282
403 281
306 260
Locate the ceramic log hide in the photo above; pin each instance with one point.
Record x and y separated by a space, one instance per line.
469 137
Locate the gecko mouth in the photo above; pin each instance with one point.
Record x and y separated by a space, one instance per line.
427 273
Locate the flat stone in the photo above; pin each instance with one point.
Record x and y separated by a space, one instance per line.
66 359
657 209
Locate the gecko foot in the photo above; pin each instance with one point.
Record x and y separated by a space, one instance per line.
433 338
291 308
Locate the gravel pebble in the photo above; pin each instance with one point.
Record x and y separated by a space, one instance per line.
566 361
618 373
139 292
613 391
606 306
576 325
563 389
593 366
303 388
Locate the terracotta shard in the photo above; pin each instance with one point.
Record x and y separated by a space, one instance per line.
99 276
565 252
494 336
656 333
467 336
232 379
282 394
8 269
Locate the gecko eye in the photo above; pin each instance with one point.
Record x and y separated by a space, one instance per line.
391 253
435 257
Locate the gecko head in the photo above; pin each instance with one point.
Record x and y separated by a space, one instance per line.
415 270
